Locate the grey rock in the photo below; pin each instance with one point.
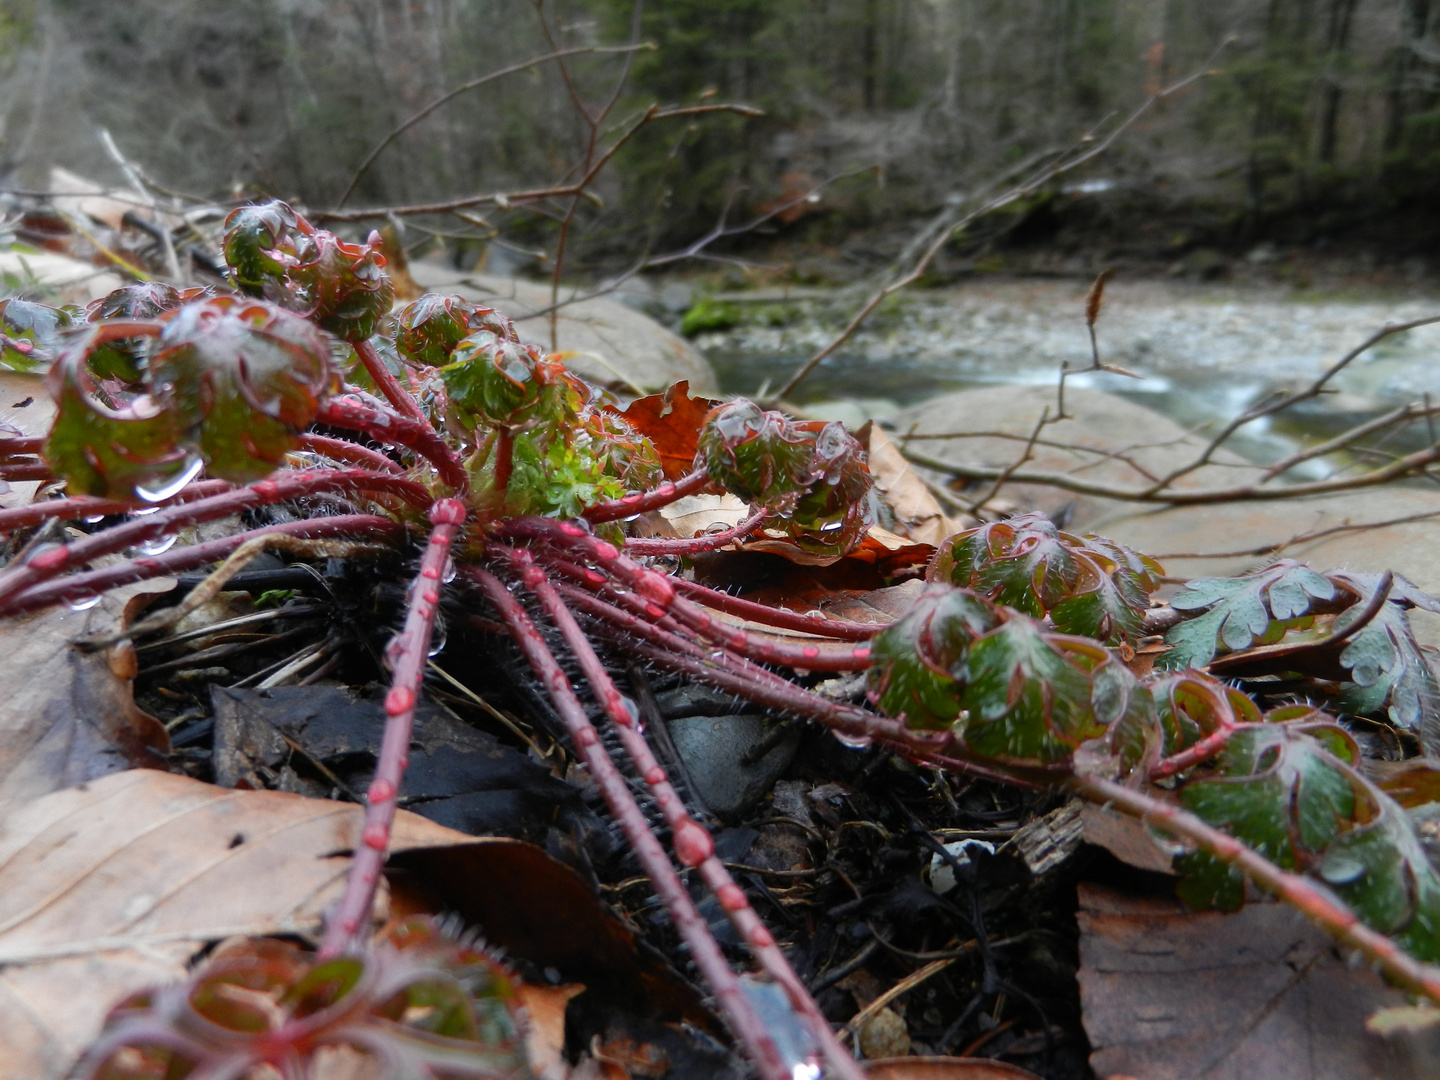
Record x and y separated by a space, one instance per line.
617 347
714 748
1100 426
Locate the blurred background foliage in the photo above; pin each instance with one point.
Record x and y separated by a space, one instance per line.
1324 116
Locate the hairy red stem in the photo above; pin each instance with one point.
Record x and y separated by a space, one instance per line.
408 653
695 544
48 561
1312 899
692 843
387 383
639 503
87 506
82 586
504 458
349 452
26 471
1208 746
736 675
656 587
737 1008
777 617
386 427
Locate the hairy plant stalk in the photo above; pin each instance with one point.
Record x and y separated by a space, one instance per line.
696 544
91 583
77 507
737 1008
1309 897
777 617
386 428
692 843
348 927
645 501
49 561
348 452
387 384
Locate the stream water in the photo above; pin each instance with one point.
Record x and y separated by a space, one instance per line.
1204 352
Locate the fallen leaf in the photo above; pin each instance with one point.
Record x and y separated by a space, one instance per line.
1169 994
24 407
545 1032
697 514
918 515
111 886
945 1068
671 420
70 715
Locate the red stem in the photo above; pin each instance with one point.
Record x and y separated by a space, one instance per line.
96 582
656 587
48 561
387 384
27 444
85 506
349 452
27 471
504 458
386 427
639 503
693 845
777 617
347 927
695 544
1210 745
704 950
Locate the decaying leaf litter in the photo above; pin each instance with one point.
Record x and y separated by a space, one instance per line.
928 912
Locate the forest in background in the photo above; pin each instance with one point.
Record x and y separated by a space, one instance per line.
1321 124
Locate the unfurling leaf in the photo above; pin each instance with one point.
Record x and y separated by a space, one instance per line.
813 474
228 383
1086 584
1237 612
503 383
428 329
275 253
419 1003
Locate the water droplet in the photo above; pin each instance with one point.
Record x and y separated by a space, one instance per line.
94 519
145 511
171 486
157 546
437 638
854 742
448 574
83 602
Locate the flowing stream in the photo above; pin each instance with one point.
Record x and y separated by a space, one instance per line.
1204 352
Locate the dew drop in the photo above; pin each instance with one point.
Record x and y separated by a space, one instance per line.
854 742
437 639
145 511
157 546
94 519
83 602
448 574
171 485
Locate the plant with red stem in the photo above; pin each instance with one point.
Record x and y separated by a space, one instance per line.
1014 663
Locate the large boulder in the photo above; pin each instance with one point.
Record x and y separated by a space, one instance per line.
1104 440
616 347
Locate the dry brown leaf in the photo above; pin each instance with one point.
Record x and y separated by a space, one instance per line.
112 886
671 420
545 1030
918 516
1170 994
70 715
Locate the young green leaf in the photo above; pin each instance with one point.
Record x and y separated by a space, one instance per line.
31 334
1237 612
